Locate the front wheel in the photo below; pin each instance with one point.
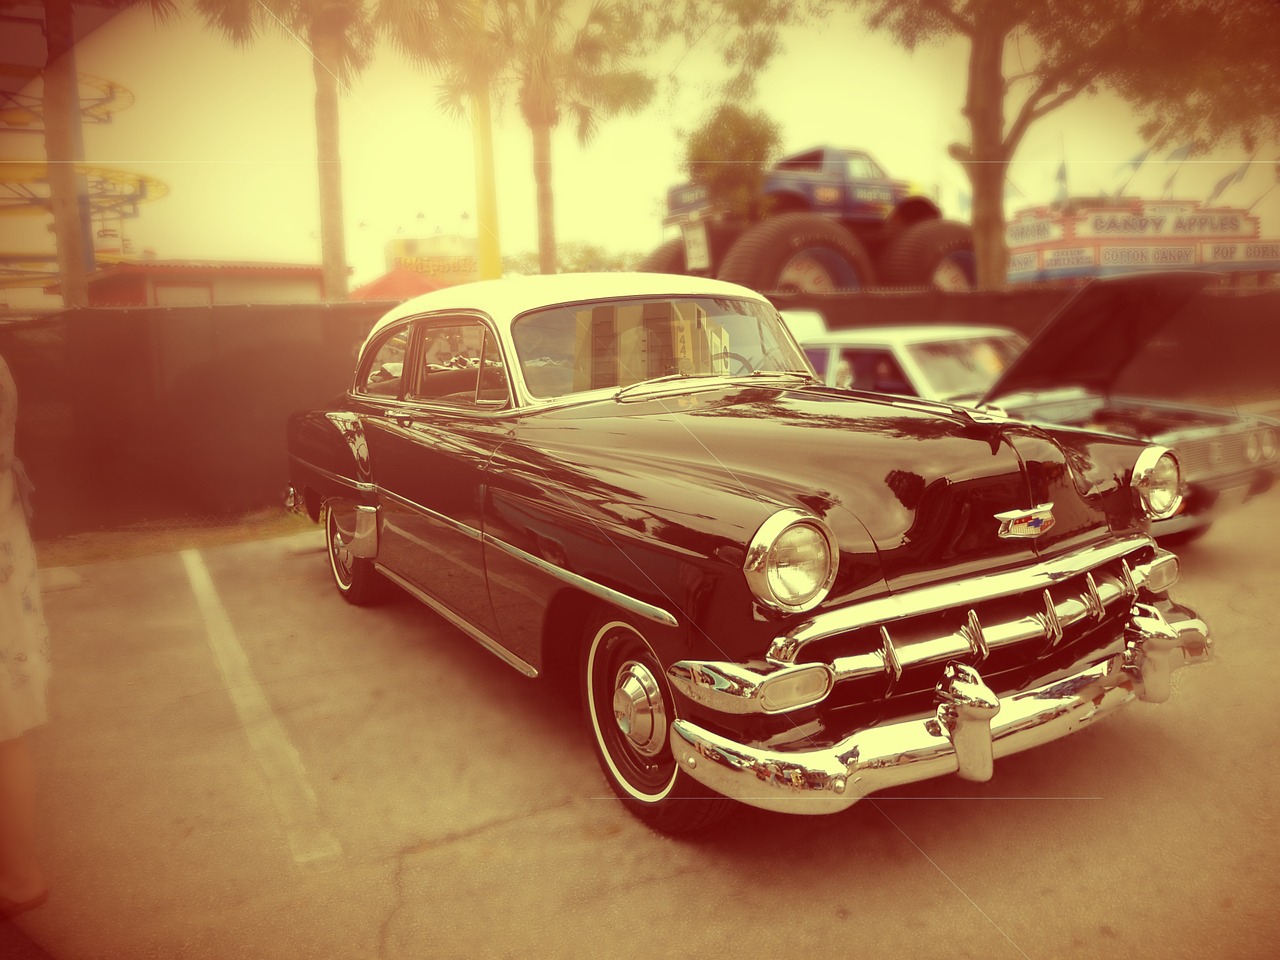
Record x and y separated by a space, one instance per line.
630 710
355 577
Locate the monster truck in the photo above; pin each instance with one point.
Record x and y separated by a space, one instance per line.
835 221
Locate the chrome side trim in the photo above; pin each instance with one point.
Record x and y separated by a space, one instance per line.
336 477
466 530
942 596
617 598
475 633
970 730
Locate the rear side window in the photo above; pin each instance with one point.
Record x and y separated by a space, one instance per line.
383 372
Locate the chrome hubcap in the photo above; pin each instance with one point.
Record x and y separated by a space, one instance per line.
339 548
638 708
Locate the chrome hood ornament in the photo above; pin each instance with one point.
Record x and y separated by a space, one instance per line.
1026 524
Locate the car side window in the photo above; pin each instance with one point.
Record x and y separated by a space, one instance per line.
460 364
878 371
383 372
818 357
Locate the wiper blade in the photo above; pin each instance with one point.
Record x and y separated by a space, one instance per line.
665 378
774 373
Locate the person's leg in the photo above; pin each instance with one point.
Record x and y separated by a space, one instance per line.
21 878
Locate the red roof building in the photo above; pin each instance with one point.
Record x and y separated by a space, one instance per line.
399 285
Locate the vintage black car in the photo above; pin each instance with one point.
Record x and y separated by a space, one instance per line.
1067 375
766 589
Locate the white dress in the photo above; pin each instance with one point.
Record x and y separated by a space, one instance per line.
24 638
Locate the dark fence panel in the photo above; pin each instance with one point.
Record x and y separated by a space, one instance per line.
128 416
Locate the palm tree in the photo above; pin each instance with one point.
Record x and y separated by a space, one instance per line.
339 34
531 48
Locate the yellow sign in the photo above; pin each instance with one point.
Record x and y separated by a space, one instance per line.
447 259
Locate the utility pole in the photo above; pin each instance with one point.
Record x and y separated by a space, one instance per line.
490 253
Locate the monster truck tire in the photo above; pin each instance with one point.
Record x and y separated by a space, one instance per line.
797 252
932 253
668 258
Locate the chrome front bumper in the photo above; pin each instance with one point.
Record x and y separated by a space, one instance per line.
970 729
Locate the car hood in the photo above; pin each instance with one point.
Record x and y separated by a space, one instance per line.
1096 334
910 487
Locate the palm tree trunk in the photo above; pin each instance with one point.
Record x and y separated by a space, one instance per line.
546 203
68 198
324 65
988 161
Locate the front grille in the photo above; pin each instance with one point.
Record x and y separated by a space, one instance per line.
1212 456
1009 640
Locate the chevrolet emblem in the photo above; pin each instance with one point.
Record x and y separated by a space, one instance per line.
1026 524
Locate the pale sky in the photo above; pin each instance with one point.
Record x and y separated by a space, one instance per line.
231 133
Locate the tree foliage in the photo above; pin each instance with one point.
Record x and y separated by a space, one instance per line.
746 33
574 257
730 154
557 64
1197 69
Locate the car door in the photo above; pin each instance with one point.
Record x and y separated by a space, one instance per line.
429 456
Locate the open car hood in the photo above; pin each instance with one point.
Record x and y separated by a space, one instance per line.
1096 334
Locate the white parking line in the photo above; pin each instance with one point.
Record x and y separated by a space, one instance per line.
287 783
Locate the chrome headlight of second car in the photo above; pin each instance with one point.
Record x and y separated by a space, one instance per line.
791 562
1157 482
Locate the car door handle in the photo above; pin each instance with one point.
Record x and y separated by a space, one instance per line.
398 418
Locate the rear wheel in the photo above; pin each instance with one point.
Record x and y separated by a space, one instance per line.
630 710
932 253
355 577
797 252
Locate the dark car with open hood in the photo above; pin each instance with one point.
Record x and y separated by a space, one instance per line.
765 590
1069 375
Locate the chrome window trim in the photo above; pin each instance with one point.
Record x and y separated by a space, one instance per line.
360 485
383 336
943 596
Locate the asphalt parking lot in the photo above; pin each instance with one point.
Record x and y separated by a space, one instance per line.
242 765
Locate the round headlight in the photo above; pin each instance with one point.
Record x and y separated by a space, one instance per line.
791 562
1268 443
1157 483
1252 447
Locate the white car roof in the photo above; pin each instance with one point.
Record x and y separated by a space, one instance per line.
507 298
900 335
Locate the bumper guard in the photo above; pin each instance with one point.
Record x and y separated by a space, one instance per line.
970 729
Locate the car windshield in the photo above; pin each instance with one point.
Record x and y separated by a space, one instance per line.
963 369
611 344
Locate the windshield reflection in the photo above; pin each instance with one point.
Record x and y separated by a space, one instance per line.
964 368
615 343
